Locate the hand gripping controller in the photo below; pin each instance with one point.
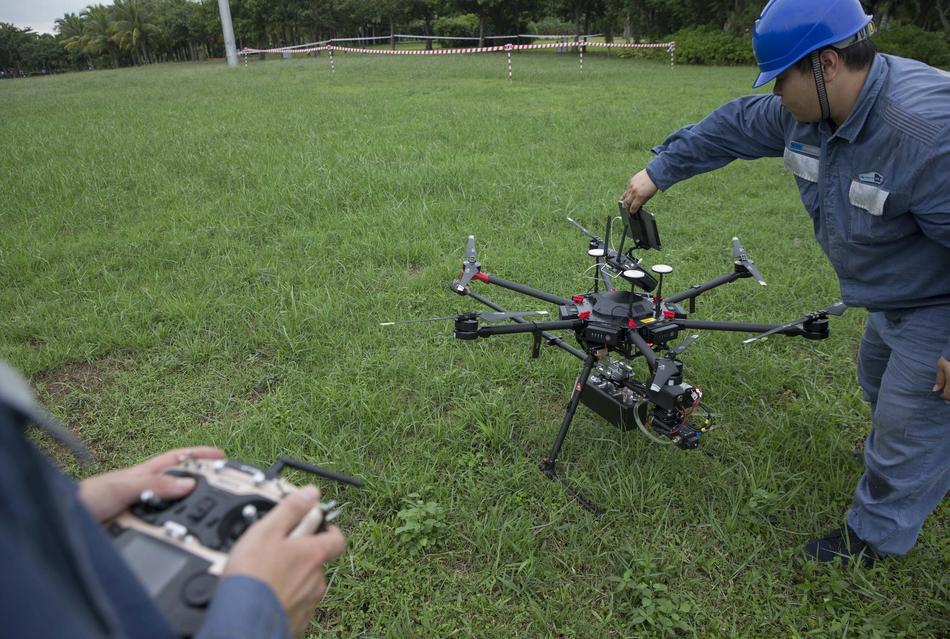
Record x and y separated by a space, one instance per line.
178 549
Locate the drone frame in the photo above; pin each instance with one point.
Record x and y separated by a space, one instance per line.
631 324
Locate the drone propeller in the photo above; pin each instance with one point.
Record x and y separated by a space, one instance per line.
835 309
666 366
470 267
739 254
682 346
488 317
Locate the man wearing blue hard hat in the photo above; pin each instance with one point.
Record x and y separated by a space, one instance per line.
867 137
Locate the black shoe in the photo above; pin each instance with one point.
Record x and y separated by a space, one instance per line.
841 545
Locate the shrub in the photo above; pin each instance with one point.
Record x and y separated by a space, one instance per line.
661 54
910 41
422 523
462 26
551 26
708 45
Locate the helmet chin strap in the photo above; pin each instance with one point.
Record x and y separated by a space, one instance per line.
820 85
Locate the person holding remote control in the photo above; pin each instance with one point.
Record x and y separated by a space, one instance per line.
63 577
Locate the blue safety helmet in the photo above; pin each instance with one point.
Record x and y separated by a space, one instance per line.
788 30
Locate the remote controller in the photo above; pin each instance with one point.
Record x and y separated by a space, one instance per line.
178 549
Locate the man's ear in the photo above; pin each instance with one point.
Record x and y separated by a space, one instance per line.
831 64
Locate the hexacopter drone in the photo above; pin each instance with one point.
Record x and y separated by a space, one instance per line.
614 328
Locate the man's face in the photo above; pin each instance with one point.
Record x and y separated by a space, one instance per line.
798 93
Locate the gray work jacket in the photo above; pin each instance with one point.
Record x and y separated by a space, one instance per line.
877 188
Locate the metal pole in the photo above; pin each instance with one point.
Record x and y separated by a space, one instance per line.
227 29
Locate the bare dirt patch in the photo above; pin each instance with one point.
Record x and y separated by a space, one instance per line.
85 378
73 392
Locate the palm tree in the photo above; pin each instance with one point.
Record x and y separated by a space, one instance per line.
97 33
133 30
69 29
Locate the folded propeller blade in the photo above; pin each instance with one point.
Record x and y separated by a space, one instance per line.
419 321
665 369
682 346
488 317
470 267
837 308
739 254
666 366
491 317
470 249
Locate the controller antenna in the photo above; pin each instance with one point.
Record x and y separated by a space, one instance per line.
274 471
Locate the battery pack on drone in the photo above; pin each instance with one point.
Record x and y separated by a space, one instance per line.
660 332
603 334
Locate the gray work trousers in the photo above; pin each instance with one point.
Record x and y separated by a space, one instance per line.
907 454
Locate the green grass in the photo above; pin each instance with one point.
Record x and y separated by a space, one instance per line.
195 254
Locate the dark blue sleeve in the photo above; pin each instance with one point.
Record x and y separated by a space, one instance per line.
244 608
61 575
743 129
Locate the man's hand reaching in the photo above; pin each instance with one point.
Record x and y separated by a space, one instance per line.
943 378
640 189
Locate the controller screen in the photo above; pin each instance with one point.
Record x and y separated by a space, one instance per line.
155 563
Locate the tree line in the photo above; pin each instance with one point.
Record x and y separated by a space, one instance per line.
135 32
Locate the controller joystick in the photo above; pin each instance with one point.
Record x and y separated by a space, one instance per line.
150 505
236 522
178 548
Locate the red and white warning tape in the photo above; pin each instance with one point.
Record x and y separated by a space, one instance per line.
669 46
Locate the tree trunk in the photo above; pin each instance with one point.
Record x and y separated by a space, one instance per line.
732 17
944 19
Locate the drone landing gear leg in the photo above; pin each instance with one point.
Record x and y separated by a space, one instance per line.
548 464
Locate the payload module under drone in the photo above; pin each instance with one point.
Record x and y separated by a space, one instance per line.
616 328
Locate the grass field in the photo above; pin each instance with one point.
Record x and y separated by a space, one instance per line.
195 254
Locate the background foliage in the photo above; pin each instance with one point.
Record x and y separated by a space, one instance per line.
134 32
181 267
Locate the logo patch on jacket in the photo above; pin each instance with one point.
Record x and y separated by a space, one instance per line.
807 149
872 178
